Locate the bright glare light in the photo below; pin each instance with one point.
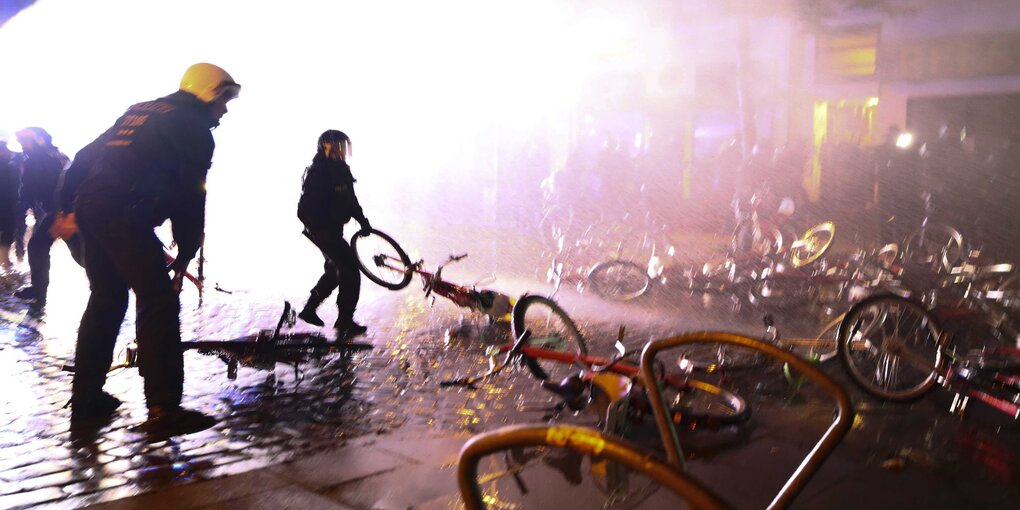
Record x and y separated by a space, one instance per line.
905 140
425 89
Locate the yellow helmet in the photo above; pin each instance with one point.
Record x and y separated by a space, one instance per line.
208 83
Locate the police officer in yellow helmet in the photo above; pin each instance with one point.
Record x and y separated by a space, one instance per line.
150 166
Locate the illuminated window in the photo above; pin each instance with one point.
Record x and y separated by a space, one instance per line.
846 53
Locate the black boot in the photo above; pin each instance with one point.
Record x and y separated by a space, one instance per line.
308 314
168 421
346 328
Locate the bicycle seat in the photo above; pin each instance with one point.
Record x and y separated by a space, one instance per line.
572 389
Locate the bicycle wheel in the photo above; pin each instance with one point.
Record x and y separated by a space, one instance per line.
937 244
760 239
823 347
813 244
693 401
712 357
619 280
381 259
779 294
552 329
890 347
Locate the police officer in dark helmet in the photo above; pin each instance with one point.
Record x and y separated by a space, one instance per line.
151 167
40 175
10 187
327 203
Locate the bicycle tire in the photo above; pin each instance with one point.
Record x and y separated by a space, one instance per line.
776 294
619 280
809 248
373 267
712 357
825 346
698 401
551 328
891 367
953 251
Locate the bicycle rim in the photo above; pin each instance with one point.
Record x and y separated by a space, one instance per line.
619 280
820 348
941 243
551 328
778 295
890 347
381 259
699 402
712 357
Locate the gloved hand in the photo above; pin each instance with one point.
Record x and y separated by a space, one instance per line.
64 226
365 225
178 281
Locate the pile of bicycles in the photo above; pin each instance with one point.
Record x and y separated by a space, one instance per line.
620 395
890 339
518 466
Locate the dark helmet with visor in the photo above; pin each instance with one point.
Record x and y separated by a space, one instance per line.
336 140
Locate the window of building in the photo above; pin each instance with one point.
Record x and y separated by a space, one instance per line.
847 53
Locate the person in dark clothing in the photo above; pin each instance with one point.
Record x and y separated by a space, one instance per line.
62 224
10 186
150 167
327 203
40 175
896 172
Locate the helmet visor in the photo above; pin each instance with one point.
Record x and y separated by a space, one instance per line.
227 90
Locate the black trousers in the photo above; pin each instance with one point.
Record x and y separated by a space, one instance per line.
121 255
340 270
39 253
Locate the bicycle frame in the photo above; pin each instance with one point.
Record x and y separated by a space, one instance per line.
264 349
614 378
434 283
841 423
463 296
969 382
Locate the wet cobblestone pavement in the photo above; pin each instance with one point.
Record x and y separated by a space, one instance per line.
272 414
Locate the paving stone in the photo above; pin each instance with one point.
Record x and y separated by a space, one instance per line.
435 452
356 421
31 498
399 489
201 493
333 468
287 498
51 480
95 484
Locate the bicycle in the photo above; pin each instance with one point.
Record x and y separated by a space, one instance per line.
382 260
843 416
758 232
937 245
549 345
896 349
511 452
262 350
593 261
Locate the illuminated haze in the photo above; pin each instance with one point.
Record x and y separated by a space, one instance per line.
426 90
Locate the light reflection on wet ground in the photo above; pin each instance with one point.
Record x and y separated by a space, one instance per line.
267 416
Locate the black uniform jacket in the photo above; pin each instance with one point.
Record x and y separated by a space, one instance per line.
152 166
327 197
39 176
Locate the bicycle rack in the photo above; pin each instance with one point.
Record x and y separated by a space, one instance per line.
811 463
579 439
